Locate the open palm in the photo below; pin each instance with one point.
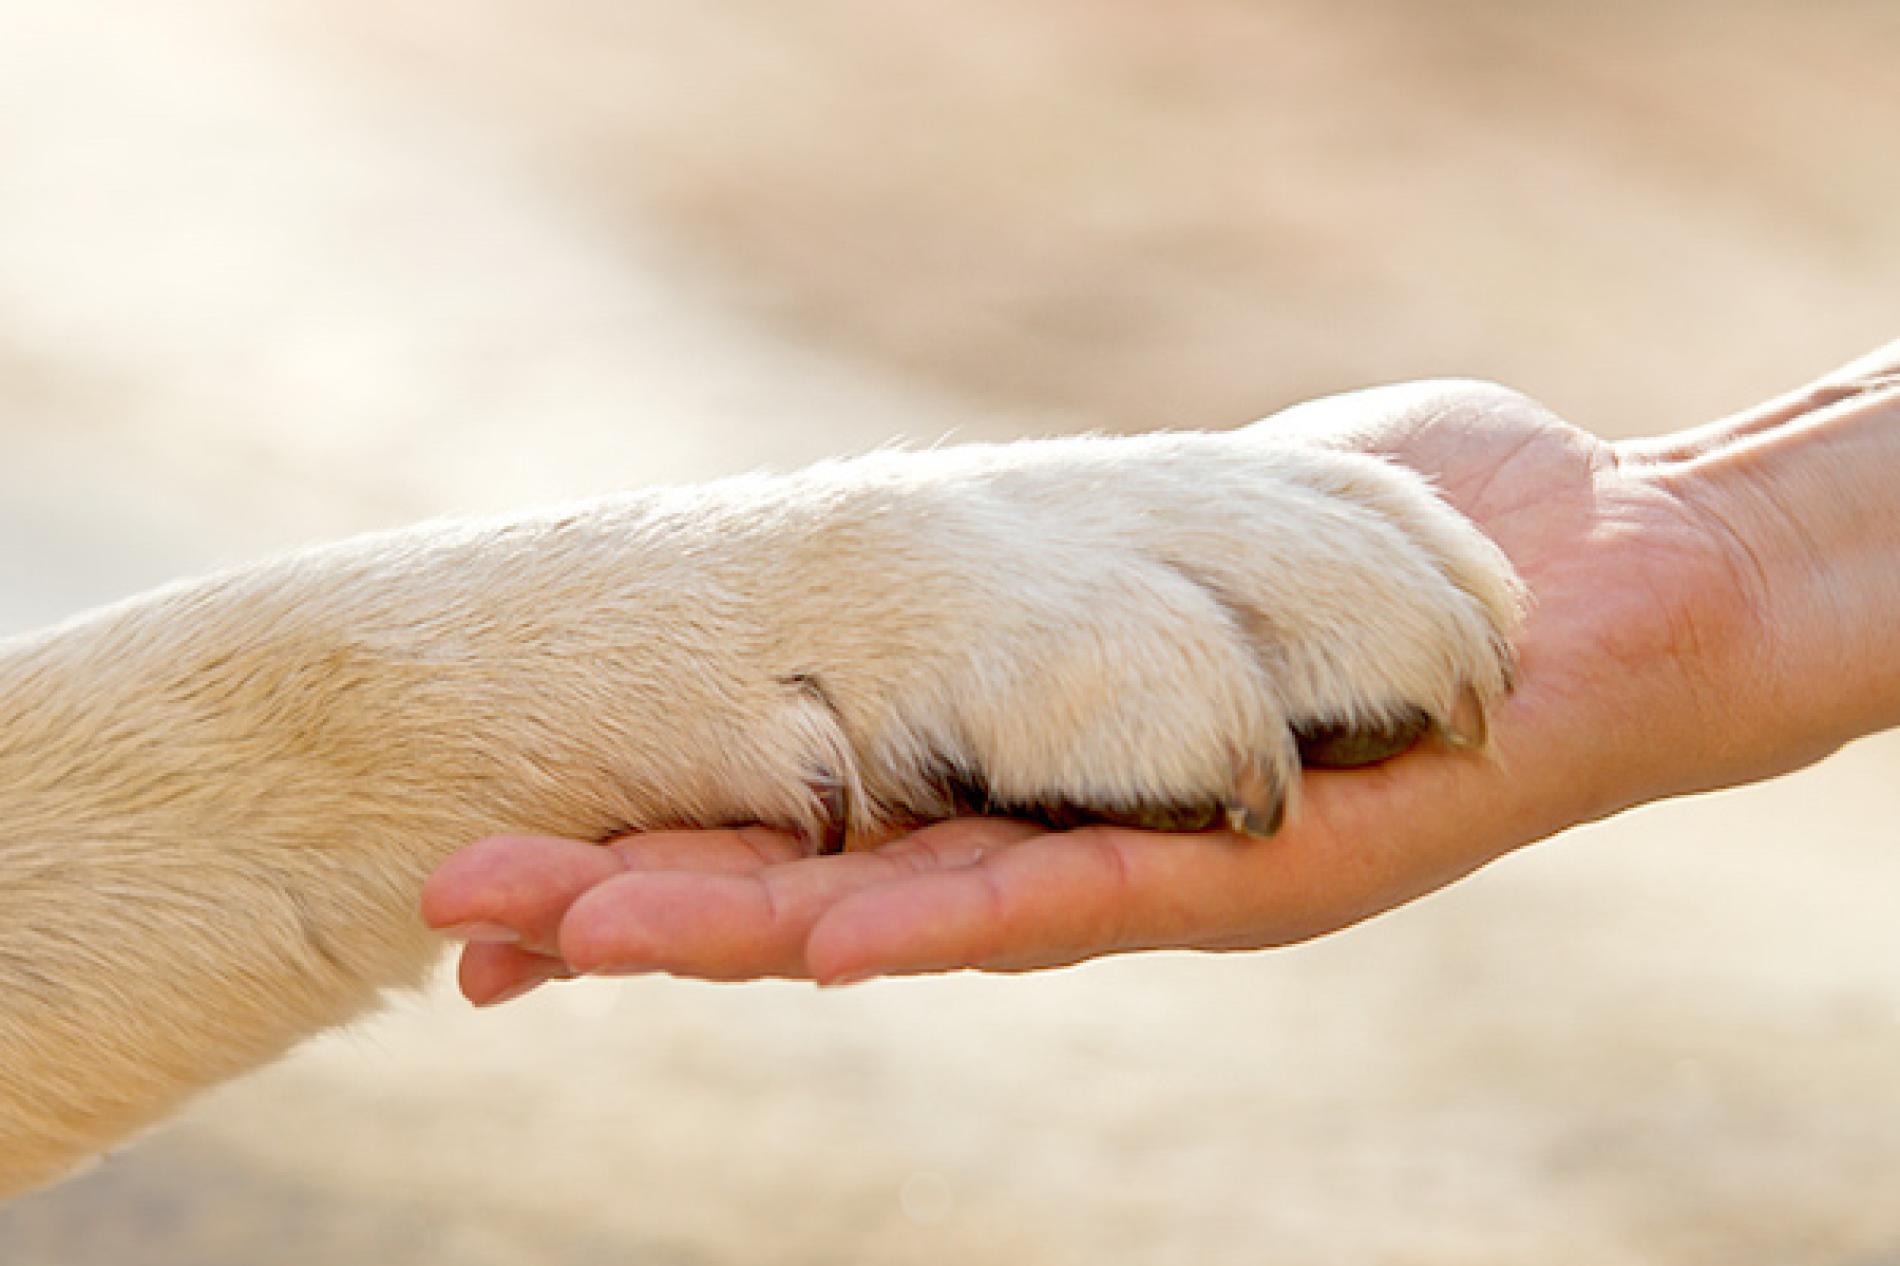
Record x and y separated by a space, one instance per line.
1636 600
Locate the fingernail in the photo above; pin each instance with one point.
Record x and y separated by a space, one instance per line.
847 980
515 991
483 933
528 985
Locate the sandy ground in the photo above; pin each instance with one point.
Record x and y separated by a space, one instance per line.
273 272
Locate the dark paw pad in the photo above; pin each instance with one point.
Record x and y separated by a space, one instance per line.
1336 745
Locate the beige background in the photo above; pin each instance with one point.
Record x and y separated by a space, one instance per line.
272 272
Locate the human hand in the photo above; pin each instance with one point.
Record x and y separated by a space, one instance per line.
1640 676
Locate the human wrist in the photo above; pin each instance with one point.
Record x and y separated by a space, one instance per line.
1804 497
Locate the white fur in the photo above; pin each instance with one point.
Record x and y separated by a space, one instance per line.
218 802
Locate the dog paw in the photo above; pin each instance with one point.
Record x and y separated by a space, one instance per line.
1155 630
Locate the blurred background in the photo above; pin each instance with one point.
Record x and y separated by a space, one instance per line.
271 272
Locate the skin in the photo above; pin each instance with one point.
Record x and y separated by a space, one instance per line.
1710 608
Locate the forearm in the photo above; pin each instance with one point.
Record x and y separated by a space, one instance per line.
220 801
206 852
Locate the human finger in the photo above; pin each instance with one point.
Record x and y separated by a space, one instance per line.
745 924
738 850
490 974
513 888
516 888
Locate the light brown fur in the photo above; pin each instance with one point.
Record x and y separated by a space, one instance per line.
218 802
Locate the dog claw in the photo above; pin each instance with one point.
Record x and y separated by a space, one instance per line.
1467 728
1243 820
830 833
1258 808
